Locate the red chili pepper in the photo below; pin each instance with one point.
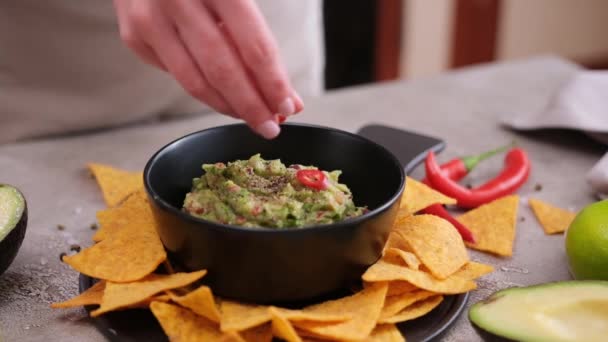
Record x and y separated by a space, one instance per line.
281 118
312 178
456 169
515 173
438 210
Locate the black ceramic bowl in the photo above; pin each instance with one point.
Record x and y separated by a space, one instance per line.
268 265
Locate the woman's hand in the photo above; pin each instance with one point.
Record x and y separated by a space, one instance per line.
220 51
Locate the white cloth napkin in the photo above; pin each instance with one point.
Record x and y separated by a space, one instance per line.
580 104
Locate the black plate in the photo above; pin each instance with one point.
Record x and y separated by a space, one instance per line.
140 325
410 148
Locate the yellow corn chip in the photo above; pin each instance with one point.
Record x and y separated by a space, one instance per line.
473 270
128 255
116 184
418 196
383 271
92 296
231 336
120 295
395 240
401 257
281 327
314 314
493 225
394 304
365 307
200 301
182 324
146 302
397 287
553 219
261 333
307 336
135 210
237 316
435 242
240 316
415 310
386 333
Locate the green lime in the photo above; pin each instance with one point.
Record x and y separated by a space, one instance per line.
587 242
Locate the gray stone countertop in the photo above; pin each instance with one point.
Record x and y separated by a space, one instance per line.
461 107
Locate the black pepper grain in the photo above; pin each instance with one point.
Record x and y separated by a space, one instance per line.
75 248
60 227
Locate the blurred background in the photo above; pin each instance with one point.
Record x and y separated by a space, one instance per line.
379 40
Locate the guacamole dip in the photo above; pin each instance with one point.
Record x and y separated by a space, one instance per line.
266 193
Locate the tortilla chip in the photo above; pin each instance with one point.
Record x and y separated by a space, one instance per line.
397 287
418 196
200 301
120 295
383 271
415 310
281 327
241 316
395 240
364 306
128 255
553 219
435 242
181 324
386 333
231 336
134 209
493 225
395 304
145 304
92 296
116 184
313 314
473 270
261 333
401 257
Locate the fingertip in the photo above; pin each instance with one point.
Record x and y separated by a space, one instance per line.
299 104
269 129
287 107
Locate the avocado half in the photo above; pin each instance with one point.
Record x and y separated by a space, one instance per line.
558 312
13 222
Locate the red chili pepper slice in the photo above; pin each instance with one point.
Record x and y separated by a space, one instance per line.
314 179
515 173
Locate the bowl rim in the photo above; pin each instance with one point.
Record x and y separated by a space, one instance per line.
164 205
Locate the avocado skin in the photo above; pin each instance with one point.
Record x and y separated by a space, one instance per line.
489 337
12 242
